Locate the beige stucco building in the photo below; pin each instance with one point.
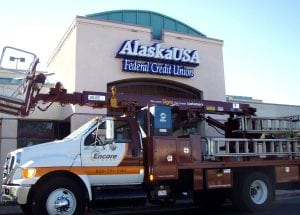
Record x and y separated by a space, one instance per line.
85 59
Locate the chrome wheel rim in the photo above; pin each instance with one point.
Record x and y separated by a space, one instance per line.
61 201
258 192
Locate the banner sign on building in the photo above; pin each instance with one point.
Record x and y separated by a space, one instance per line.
157 60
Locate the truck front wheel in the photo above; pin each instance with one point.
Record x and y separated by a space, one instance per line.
58 196
253 192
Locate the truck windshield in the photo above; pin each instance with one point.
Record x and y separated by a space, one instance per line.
84 128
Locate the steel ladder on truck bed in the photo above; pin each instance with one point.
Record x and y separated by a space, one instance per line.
283 132
270 124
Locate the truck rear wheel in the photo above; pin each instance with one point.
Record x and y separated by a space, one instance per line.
59 196
253 192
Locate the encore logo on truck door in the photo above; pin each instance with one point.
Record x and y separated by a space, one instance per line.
110 162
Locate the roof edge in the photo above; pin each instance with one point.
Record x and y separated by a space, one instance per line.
177 22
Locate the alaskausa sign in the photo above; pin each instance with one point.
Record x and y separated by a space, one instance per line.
157 60
132 48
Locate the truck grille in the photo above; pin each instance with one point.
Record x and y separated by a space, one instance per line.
8 166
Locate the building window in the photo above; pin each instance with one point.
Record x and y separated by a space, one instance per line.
156 87
10 81
36 132
153 87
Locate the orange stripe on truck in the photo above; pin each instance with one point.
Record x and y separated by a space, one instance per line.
40 171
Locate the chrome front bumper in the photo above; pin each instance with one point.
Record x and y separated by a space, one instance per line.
15 193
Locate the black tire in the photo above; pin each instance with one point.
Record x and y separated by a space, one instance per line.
58 191
253 192
26 208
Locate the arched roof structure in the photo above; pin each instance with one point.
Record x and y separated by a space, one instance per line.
156 21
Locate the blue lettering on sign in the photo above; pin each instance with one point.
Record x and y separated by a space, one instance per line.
157 68
133 49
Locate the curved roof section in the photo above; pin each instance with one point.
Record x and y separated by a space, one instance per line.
157 22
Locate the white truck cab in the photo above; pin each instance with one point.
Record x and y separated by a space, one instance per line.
101 152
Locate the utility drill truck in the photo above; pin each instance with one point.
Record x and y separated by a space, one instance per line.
151 152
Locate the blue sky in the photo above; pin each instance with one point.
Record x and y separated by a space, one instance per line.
261 37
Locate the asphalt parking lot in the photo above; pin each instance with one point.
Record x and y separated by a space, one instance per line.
12 209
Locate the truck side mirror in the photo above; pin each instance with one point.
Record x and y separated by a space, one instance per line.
109 124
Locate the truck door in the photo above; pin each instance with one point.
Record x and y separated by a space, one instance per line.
112 161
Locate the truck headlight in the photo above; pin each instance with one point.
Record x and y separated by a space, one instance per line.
29 173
